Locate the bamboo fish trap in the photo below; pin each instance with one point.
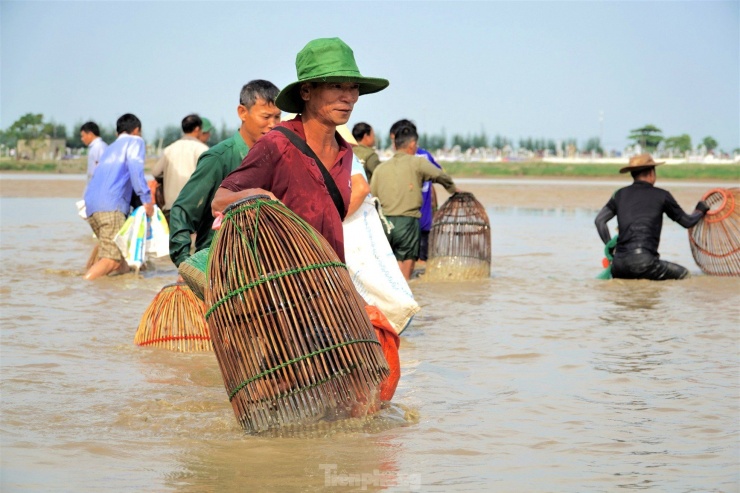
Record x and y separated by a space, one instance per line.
715 240
291 335
175 320
460 240
194 272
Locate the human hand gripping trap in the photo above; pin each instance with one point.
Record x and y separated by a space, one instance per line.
294 340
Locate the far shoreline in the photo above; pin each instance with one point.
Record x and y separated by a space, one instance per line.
538 192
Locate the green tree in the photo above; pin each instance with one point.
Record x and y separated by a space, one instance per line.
648 137
171 133
437 142
680 143
500 142
594 145
29 126
30 129
463 142
8 139
480 140
710 143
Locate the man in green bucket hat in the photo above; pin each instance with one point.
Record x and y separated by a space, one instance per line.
325 60
304 162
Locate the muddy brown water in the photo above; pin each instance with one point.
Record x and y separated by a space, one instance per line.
541 378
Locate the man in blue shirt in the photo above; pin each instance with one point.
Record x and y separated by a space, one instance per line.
120 172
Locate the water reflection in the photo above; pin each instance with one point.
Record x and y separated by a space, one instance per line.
345 460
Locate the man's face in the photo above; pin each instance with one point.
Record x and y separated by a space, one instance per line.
332 102
86 137
258 120
371 138
204 137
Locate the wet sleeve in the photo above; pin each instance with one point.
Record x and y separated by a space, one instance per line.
603 217
674 211
192 205
256 170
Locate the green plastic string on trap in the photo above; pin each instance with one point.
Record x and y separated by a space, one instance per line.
291 393
279 207
271 277
296 360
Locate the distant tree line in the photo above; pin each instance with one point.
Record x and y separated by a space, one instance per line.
650 138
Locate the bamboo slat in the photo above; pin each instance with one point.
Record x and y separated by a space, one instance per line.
291 335
460 240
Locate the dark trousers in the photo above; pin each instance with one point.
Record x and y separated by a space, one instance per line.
424 245
645 265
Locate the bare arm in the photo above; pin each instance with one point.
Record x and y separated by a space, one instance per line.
360 189
225 197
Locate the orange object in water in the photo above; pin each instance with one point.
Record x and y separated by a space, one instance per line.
605 262
390 342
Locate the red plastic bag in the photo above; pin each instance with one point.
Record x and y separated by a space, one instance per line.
390 342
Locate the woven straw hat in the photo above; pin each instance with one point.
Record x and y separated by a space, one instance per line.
640 162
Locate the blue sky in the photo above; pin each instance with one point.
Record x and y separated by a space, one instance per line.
518 69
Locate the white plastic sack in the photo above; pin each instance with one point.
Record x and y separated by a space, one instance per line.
143 237
81 210
374 269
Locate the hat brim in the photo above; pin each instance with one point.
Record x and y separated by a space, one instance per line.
628 169
289 100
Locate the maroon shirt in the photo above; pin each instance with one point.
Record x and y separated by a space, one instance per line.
274 164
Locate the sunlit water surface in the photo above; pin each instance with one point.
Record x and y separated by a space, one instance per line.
540 378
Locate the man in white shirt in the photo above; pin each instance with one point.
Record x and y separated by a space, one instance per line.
179 159
90 136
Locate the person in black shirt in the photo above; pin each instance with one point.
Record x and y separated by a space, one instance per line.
639 209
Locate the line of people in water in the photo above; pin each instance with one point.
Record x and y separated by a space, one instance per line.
309 166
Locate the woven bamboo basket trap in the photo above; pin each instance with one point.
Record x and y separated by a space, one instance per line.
194 272
290 333
460 240
175 320
715 240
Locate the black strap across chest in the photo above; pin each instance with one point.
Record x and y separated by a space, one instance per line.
302 146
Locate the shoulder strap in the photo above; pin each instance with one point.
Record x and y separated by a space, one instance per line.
302 146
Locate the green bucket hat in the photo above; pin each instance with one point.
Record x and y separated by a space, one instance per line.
325 60
206 126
